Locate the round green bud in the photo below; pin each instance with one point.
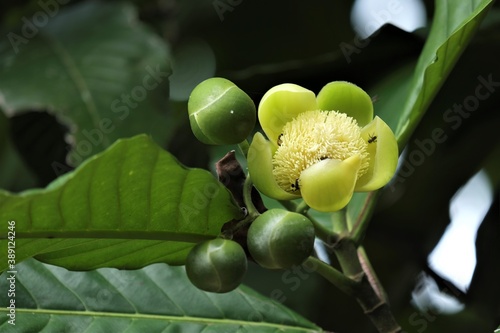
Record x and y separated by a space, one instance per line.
220 113
280 239
347 98
216 265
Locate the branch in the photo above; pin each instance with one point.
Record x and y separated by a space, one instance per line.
373 305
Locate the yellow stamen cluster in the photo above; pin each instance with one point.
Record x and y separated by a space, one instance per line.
314 136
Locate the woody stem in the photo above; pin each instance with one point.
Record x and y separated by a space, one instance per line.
366 290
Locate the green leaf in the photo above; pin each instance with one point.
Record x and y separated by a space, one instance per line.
392 92
454 24
96 68
127 207
157 298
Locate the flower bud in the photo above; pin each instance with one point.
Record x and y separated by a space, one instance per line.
216 265
280 239
220 113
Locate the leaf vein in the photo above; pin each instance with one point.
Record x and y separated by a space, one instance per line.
180 319
179 218
164 292
118 291
93 167
153 171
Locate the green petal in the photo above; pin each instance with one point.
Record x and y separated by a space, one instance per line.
328 185
347 98
260 167
281 104
383 156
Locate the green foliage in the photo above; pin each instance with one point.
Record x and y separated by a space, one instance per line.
108 77
102 74
108 300
129 207
452 28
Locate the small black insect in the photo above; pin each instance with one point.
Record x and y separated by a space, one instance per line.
372 138
322 158
296 187
280 141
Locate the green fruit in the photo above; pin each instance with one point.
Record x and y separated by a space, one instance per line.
280 239
220 113
216 265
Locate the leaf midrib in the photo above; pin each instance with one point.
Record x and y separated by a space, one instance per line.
115 235
186 319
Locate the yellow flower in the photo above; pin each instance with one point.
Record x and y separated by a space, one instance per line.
320 148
